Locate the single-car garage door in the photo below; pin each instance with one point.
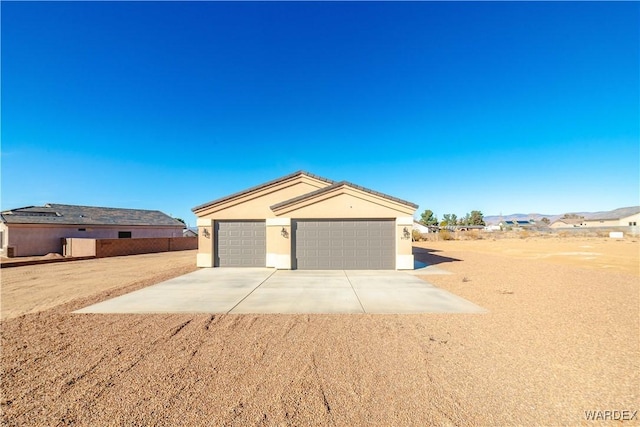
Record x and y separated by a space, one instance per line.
347 244
240 244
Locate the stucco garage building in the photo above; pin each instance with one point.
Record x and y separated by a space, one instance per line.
303 221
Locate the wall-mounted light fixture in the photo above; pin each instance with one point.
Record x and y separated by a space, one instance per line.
405 234
284 233
206 233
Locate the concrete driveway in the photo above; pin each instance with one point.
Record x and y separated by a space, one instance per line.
265 290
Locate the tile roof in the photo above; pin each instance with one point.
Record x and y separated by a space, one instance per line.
52 213
261 186
338 185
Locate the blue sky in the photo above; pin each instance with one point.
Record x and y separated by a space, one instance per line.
494 106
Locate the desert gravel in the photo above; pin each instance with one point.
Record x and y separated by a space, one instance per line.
558 340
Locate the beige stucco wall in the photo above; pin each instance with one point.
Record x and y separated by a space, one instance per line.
80 247
632 218
205 256
346 203
601 223
256 205
279 246
404 246
32 240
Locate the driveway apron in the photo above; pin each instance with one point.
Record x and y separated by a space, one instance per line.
264 290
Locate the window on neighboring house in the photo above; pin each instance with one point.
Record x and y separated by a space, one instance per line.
82 229
124 234
634 223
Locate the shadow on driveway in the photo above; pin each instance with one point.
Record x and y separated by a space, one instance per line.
429 256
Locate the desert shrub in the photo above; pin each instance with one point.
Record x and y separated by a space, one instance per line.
446 235
524 234
474 235
416 235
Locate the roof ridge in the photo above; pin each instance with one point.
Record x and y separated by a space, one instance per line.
97 207
337 185
88 215
261 186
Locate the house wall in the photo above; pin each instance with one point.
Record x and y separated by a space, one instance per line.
423 229
561 224
257 205
4 232
404 245
345 203
601 223
32 240
633 218
279 246
206 253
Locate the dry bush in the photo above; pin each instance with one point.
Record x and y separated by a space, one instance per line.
475 235
446 235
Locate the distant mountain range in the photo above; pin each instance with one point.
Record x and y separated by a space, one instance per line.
616 213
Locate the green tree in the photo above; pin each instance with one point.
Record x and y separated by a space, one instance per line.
546 220
181 220
572 216
476 218
428 218
449 219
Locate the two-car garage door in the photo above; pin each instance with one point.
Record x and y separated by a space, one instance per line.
344 244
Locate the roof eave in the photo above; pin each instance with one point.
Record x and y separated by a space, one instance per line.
250 190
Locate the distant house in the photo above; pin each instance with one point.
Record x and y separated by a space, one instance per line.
39 230
421 228
516 224
567 223
616 221
190 232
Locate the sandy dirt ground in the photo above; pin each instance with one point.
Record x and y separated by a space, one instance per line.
561 337
29 289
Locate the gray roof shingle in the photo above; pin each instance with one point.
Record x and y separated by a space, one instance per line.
52 213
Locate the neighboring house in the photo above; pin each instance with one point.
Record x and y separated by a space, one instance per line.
303 221
567 223
190 232
39 230
421 228
625 221
516 224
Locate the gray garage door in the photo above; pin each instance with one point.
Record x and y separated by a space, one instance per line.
348 244
240 244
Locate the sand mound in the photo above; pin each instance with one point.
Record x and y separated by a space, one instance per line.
52 255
